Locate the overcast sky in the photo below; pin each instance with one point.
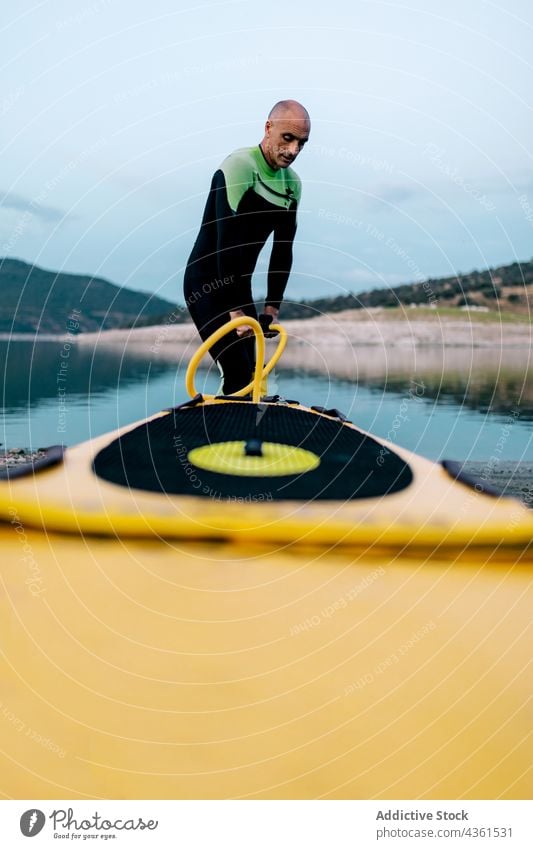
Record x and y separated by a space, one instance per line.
115 113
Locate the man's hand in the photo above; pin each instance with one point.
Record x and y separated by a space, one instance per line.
268 317
244 329
265 321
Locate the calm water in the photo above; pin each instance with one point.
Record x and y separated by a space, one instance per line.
49 399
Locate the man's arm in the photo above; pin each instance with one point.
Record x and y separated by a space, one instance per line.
280 260
235 291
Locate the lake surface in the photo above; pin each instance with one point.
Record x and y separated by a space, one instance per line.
56 395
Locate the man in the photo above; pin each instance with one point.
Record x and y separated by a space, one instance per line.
254 192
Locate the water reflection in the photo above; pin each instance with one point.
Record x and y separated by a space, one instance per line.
36 373
482 379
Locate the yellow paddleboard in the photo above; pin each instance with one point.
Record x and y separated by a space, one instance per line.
253 599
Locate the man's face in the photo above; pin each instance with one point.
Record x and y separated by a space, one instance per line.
284 139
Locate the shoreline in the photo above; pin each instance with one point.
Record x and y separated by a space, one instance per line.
351 328
375 327
350 346
353 345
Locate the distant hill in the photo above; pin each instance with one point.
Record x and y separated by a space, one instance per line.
34 300
37 301
508 288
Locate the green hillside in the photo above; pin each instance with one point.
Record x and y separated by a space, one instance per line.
35 300
505 289
38 301
504 293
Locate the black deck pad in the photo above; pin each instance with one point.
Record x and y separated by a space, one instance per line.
154 456
480 484
51 457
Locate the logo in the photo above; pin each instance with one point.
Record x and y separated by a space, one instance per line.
32 822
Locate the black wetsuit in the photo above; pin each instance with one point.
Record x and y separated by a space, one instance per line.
247 201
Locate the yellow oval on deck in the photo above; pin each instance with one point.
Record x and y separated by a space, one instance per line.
230 458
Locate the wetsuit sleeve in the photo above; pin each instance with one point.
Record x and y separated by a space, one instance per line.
237 290
281 257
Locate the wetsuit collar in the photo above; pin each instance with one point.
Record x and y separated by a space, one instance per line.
270 171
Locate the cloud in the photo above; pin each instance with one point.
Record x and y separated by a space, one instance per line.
393 193
359 279
11 200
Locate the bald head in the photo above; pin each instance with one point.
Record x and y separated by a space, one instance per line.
292 108
286 131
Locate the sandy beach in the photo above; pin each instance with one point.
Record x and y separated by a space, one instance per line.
357 343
